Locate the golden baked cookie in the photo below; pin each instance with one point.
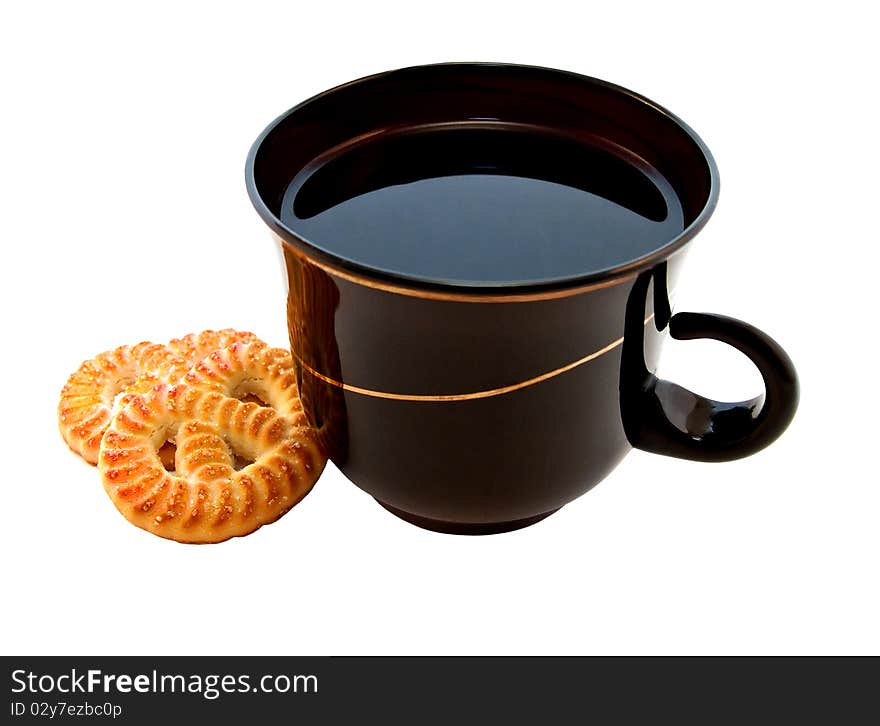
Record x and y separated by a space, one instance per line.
94 390
238 464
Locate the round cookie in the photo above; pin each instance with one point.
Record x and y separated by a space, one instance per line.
94 391
238 464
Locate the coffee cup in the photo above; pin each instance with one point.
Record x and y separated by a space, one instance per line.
480 261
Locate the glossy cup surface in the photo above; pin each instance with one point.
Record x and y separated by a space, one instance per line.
475 408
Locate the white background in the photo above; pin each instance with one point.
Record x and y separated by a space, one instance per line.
124 217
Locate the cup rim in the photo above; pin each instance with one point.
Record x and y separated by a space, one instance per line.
394 281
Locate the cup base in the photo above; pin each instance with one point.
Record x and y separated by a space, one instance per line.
468 528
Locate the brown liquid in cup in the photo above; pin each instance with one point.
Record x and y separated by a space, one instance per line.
482 203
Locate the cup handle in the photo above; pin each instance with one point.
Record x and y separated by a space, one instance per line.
664 418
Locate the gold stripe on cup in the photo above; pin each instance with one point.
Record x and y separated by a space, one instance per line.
440 397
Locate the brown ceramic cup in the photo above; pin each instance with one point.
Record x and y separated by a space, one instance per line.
481 407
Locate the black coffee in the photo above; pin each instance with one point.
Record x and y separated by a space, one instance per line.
483 203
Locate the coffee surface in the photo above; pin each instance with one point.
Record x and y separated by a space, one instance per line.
482 204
